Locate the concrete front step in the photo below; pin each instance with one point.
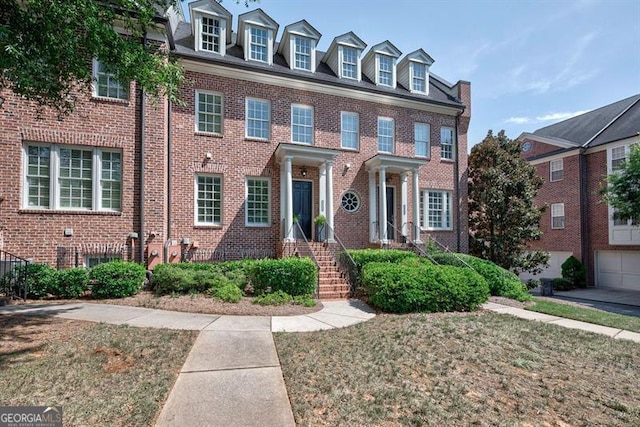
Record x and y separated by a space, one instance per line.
334 295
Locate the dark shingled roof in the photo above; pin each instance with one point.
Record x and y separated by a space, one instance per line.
589 126
439 92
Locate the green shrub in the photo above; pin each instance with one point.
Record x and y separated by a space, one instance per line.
273 298
304 300
228 293
365 256
562 284
41 279
575 271
71 282
185 278
295 276
501 282
116 279
401 288
168 279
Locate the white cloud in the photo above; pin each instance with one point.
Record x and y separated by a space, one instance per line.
551 117
518 120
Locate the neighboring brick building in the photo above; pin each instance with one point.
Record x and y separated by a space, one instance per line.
574 157
269 131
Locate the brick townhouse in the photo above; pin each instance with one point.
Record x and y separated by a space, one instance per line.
273 131
574 157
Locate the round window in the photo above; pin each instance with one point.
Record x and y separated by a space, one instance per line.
350 201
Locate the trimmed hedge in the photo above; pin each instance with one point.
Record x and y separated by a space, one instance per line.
71 282
501 282
295 276
402 288
363 257
574 271
228 293
42 279
184 278
117 279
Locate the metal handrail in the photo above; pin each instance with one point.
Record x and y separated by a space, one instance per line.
12 279
446 249
312 255
352 267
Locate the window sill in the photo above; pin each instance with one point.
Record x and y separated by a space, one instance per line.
447 160
353 150
106 99
68 212
422 157
257 225
213 135
250 139
208 226
435 229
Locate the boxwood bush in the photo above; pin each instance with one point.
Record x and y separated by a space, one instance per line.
184 278
116 279
402 288
295 276
42 279
71 282
365 256
501 282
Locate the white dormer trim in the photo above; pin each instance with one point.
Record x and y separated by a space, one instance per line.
376 57
213 10
256 19
299 31
407 68
334 57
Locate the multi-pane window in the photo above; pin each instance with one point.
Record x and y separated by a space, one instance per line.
556 168
208 199
64 177
209 112
210 34
302 53
258 203
418 77
385 70
385 135
349 63
446 143
349 130
618 157
302 124
106 85
421 136
557 215
435 209
258 49
258 118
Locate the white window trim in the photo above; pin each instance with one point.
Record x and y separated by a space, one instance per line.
247 48
552 170
559 206
620 234
453 144
54 178
197 112
246 197
312 55
428 155
195 200
357 116
447 212
94 84
313 123
223 33
393 135
246 119
426 77
393 70
341 61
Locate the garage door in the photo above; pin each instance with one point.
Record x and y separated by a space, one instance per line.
618 269
556 258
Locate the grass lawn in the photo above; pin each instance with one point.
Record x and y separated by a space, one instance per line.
459 369
100 374
590 315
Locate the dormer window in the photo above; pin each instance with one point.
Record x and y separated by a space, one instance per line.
298 46
211 26
385 70
349 64
343 56
256 31
413 72
418 77
302 53
259 49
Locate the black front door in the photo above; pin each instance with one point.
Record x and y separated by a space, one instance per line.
302 208
391 219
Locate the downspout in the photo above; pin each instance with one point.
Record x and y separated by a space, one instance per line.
169 197
456 178
142 125
584 214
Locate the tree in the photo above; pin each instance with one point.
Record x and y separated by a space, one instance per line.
623 189
503 217
48 45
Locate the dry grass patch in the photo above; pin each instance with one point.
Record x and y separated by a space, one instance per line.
459 369
101 374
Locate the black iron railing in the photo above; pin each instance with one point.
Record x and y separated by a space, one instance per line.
90 254
346 264
14 274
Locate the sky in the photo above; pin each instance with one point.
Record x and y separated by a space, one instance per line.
530 63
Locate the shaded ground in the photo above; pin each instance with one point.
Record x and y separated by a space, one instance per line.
197 303
101 374
459 369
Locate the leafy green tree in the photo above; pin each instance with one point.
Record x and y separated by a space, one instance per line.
503 217
623 189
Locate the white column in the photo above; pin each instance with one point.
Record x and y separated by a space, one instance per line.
283 197
322 170
382 175
372 206
404 198
416 206
288 214
329 195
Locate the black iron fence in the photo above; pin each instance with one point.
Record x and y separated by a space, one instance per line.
13 275
225 254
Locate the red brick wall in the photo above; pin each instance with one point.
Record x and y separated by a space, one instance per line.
538 148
